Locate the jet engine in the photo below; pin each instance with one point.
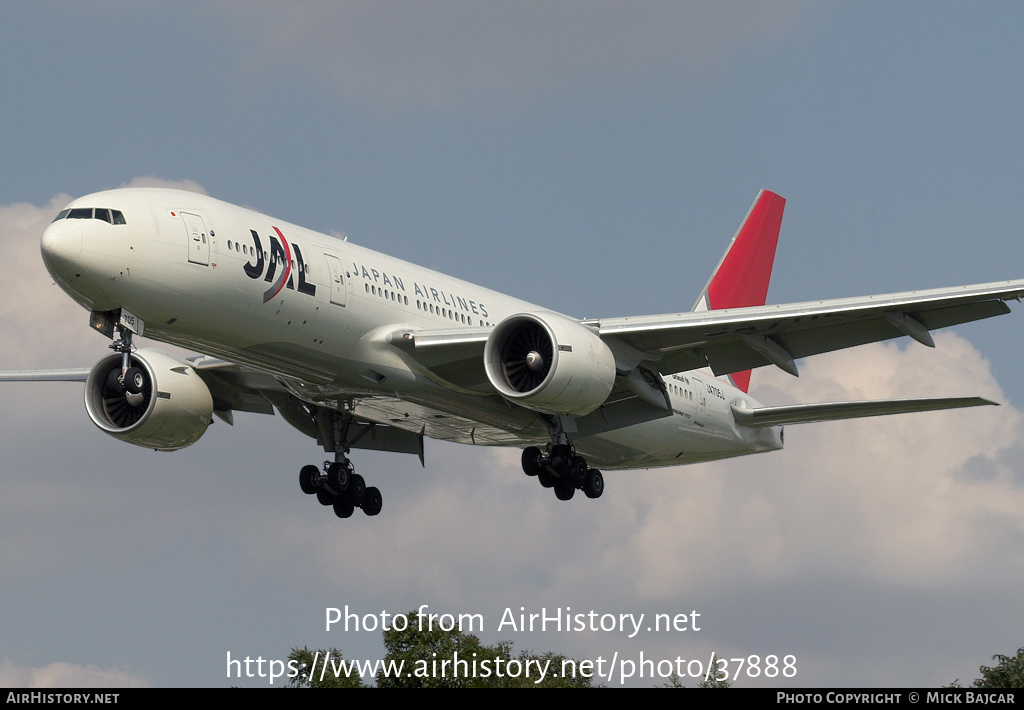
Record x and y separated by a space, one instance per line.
162 403
549 363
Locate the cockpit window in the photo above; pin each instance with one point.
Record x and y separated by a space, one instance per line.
107 215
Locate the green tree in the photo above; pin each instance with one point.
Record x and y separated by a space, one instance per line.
304 659
713 680
1007 673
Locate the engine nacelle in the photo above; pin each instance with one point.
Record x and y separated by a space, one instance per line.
549 363
171 410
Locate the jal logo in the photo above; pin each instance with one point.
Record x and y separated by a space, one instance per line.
280 256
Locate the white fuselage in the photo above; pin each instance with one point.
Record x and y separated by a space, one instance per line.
316 312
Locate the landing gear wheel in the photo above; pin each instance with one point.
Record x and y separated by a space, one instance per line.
114 384
134 380
343 508
531 461
547 479
337 476
578 471
307 476
356 488
325 498
593 487
372 501
564 490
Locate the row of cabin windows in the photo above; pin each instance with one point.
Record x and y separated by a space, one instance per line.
422 305
386 293
244 249
109 216
447 313
687 394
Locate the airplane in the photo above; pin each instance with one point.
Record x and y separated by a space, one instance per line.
360 350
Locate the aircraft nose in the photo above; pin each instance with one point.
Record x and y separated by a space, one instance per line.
61 246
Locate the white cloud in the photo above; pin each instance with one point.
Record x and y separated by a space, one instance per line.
68 675
41 325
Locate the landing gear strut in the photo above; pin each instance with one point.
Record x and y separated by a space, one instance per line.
562 469
129 382
337 484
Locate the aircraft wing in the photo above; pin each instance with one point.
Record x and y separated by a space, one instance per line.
831 411
735 339
731 340
233 388
71 375
236 388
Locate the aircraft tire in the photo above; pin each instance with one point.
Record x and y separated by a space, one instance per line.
356 488
593 487
325 497
307 475
337 477
372 501
531 465
578 471
114 385
546 479
343 508
134 380
564 490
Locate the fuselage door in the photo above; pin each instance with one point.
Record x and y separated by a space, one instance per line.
198 239
337 279
700 404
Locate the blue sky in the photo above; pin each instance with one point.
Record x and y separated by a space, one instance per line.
590 157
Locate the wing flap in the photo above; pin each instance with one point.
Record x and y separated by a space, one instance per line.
831 411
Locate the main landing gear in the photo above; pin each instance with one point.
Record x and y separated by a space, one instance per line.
560 468
337 484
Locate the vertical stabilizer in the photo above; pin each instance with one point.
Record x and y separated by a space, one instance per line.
741 277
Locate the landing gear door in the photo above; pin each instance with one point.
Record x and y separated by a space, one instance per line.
198 239
337 279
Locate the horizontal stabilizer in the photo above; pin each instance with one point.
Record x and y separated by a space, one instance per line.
828 411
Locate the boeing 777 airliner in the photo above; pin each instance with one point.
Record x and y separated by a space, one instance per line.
360 350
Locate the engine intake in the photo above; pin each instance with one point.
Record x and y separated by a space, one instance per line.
165 405
549 363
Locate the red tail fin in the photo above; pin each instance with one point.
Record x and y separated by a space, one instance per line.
741 277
